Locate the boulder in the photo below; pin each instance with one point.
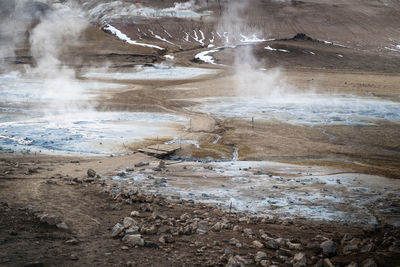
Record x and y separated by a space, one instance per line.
300 259
133 240
260 256
257 244
328 248
117 229
91 173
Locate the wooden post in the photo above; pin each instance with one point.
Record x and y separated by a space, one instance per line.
252 122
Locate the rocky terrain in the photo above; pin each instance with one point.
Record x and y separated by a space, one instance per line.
277 122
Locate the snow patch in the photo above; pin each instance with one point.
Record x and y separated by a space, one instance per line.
125 38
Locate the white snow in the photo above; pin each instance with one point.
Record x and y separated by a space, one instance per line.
196 37
392 49
204 56
162 39
253 39
125 38
339 55
274 49
270 48
170 57
186 38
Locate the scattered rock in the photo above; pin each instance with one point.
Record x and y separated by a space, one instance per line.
167 239
260 256
141 164
149 230
72 241
257 244
236 261
117 229
128 222
328 248
74 257
91 173
133 240
202 227
135 214
49 219
150 244
217 227
300 259
352 264
62 226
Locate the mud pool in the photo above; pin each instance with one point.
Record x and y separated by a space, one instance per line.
309 109
36 119
156 72
276 189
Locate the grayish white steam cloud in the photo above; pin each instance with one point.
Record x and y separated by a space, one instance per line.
248 79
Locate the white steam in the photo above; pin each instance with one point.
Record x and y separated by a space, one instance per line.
248 80
117 10
57 31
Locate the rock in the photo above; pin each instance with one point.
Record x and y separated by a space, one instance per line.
281 242
121 174
233 241
368 263
145 207
49 219
217 227
260 256
72 241
149 230
271 243
91 173
133 240
185 217
300 259
294 246
141 164
370 247
284 253
62 226
156 215
161 165
164 229
133 230
150 244
128 222
135 214
74 257
237 228
328 248
327 263
265 263
227 251
257 244
235 261
167 239
117 229
248 231
202 227
352 264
